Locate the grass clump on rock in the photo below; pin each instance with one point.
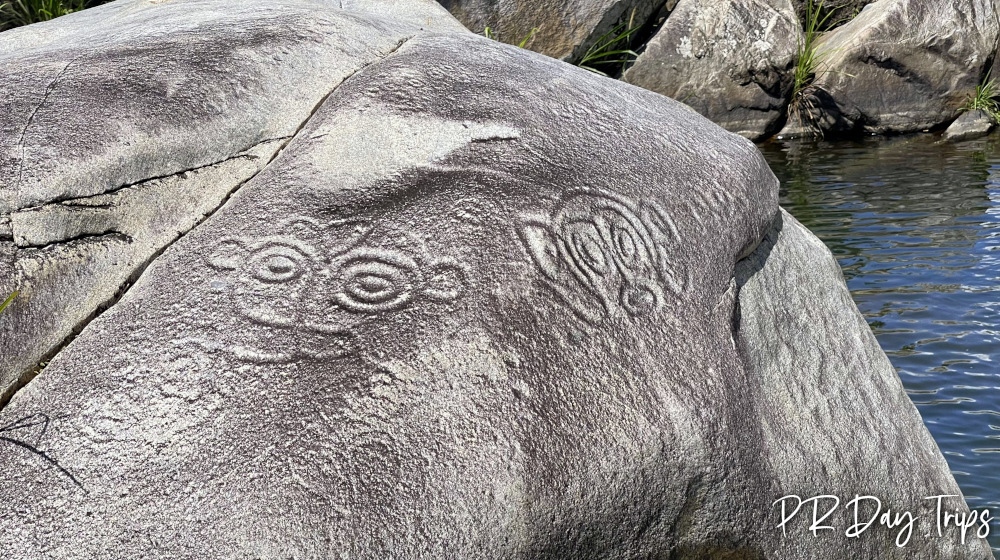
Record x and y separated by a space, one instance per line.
985 100
610 51
15 13
808 66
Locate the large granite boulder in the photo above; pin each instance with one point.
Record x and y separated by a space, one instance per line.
732 61
558 28
480 304
901 66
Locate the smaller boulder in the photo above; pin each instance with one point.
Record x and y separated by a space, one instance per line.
902 65
732 61
969 125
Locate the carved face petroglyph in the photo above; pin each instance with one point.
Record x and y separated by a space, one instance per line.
305 290
596 248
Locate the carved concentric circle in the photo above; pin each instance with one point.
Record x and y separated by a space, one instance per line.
377 280
586 248
640 298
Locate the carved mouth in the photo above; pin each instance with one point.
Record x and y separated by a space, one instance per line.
292 345
640 298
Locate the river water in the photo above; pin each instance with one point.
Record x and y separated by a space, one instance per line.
916 227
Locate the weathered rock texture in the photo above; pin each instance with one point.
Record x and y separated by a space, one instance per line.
902 65
200 104
482 304
969 125
565 30
732 61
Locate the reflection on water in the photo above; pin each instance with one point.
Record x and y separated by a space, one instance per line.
916 226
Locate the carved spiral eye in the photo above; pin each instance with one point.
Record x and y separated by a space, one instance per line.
631 247
277 263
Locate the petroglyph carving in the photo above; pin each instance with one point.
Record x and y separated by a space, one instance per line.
605 255
305 289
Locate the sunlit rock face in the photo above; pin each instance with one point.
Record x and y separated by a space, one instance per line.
465 302
123 126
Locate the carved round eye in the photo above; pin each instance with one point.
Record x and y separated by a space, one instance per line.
280 265
631 247
277 263
373 287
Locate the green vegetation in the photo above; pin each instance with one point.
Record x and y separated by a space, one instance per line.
7 301
15 13
609 55
489 34
808 66
985 99
610 51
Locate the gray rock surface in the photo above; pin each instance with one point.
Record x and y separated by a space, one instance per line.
969 125
565 29
930 55
560 317
732 61
97 104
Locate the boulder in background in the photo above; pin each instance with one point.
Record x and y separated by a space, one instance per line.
969 125
565 29
732 61
902 66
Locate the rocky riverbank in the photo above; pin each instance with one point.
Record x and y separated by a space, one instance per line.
766 67
345 280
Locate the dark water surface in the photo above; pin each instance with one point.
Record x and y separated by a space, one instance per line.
916 227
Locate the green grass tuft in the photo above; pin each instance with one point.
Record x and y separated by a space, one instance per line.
611 52
15 13
489 34
808 66
985 99
528 38
7 301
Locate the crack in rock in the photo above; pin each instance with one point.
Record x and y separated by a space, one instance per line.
45 98
60 267
75 258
